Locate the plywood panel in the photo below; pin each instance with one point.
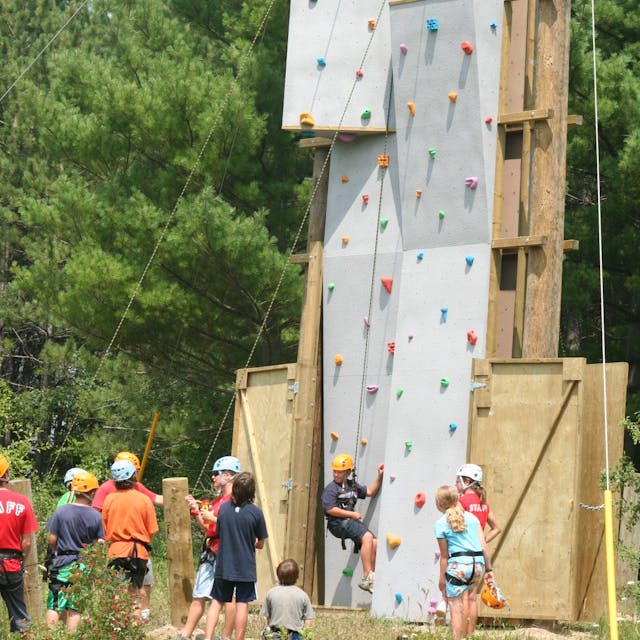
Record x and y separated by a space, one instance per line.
262 442
526 443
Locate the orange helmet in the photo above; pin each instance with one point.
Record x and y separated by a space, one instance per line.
83 482
342 462
131 457
492 597
4 465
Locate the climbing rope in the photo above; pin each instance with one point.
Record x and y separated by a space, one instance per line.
217 119
591 507
46 46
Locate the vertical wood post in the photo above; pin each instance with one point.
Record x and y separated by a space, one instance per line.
307 422
32 575
179 548
548 171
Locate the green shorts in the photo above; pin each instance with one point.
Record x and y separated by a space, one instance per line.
57 599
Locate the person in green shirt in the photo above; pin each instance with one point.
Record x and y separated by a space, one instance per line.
69 497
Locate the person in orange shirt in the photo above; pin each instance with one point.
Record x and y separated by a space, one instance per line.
129 520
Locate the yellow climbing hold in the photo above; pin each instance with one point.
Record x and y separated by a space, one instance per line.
393 541
307 118
412 108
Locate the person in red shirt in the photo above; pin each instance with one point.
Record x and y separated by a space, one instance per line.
473 498
129 521
17 523
224 471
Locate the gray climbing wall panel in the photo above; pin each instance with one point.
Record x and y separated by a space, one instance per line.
413 423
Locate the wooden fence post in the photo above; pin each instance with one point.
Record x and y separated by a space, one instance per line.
32 575
179 550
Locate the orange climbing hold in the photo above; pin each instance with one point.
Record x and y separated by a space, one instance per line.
393 541
387 283
334 436
345 179
383 160
412 108
338 360
345 239
307 119
453 96
418 193
364 442
372 25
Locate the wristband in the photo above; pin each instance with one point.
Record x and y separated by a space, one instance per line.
488 570
195 512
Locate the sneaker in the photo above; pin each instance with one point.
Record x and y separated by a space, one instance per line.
366 584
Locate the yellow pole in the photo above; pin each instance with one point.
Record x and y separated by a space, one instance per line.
147 449
611 570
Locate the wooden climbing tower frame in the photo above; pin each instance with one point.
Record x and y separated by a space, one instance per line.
528 219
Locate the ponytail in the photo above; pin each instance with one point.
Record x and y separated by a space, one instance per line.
455 518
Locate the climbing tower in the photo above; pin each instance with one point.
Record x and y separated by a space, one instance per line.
440 135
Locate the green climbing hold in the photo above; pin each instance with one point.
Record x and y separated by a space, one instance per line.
441 215
399 393
408 445
444 382
384 222
347 571
366 114
432 152
331 286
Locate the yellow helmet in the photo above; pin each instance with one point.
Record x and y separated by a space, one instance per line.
4 465
492 597
131 457
342 462
83 482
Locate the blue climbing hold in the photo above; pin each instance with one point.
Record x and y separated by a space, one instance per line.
321 61
494 26
432 24
420 256
398 598
453 426
444 312
469 260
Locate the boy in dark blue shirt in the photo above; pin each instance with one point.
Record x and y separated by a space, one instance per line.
242 530
343 521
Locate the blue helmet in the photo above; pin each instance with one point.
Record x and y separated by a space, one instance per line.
227 463
70 475
122 470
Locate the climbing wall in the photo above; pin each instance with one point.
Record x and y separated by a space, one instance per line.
407 257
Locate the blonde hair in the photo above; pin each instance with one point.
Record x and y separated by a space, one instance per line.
447 499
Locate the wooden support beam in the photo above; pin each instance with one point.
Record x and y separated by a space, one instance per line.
325 129
301 515
571 245
518 310
177 522
518 241
32 575
575 120
299 258
519 117
314 143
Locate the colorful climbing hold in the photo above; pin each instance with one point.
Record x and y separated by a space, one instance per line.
383 160
441 214
412 108
408 445
420 499
467 47
321 62
365 198
391 347
359 73
471 182
366 321
453 96
472 338
437 555
347 137
334 436
345 239
393 541
443 312
347 571
387 283
398 597
344 179
432 152
372 25
488 120
331 286
372 388
404 49
364 442
493 25
366 114
392 478
432 24
307 119
469 260
410 337
444 382
418 193
338 360
452 427
399 393
420 256
384 222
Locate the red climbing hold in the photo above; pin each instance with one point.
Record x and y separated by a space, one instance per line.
420 500
467 47
472 337
387 283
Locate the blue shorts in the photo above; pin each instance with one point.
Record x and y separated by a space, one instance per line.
347 528
223 591
204 578
462 571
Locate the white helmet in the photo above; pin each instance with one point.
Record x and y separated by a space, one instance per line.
227 463
472 471
122 470
70 475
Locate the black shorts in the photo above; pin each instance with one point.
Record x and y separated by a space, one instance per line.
347 528
134 569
